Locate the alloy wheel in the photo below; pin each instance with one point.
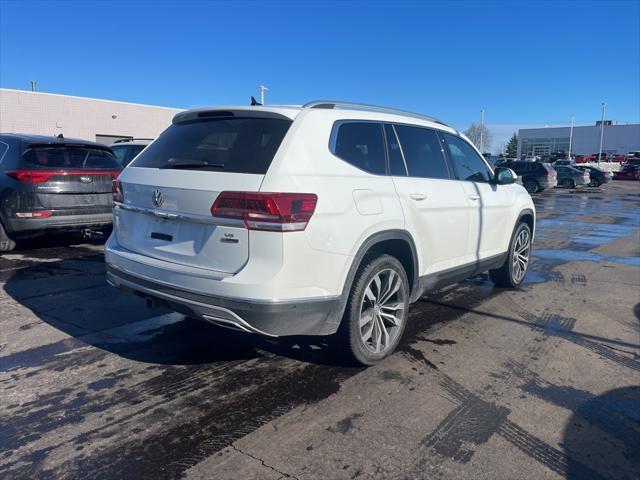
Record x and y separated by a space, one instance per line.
521 254
382 311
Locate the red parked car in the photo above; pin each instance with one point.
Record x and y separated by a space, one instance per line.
582 158
618 158
630 170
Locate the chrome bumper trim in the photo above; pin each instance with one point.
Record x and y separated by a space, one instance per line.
189 217
226 316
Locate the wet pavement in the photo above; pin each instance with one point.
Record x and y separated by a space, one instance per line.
540 382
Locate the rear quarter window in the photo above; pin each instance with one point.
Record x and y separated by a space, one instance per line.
237 145
360 144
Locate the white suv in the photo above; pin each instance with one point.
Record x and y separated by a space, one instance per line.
314 220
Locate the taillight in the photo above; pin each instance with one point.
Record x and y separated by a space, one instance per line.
117 191
36 214
40 176
30 176
279 212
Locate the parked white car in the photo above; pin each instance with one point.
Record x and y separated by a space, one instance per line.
314 220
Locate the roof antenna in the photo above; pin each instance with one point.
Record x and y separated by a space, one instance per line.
254 102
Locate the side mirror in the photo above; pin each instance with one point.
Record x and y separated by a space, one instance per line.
504 176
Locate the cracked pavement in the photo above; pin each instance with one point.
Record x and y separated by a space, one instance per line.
538 383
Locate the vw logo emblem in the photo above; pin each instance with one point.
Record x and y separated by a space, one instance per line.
157 198
86 179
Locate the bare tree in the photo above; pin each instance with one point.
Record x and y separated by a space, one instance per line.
473 133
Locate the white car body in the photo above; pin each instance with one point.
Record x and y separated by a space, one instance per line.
297 282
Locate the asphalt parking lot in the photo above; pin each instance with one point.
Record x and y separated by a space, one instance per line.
541 382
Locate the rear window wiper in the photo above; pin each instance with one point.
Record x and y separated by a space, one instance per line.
188 163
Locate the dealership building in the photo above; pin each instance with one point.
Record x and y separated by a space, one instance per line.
92 119
616 138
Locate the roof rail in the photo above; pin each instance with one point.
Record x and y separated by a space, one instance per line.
332 104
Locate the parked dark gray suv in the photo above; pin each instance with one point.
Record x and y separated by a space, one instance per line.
536 176
51 184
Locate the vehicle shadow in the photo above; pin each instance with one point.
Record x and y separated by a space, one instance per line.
72 296
64 239
602 435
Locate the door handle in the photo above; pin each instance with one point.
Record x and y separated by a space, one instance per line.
417 196
473 196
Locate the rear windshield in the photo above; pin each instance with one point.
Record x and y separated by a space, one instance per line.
66 156
238 145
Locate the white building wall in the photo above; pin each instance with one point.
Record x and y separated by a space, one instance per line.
50 114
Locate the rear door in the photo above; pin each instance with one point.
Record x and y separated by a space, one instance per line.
434 205
68 179
171 185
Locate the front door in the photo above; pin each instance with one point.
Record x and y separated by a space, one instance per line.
488 203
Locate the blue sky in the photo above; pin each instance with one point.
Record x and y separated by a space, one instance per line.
524 63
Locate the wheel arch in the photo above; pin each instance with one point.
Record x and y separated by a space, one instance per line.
396 242
529 217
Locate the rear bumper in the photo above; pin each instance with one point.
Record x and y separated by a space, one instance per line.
547 182
274 319
59 222
581 181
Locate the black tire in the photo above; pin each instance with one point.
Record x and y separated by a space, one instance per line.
6 244
594 182
531 186
350 335
506 276
568 183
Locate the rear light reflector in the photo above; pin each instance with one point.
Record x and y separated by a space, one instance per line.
117 191
40 214
277 212
40 176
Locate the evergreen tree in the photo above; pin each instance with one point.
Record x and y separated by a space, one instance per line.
512 147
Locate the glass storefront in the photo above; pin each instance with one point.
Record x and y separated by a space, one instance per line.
544 146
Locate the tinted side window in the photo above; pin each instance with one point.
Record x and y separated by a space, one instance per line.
360 144
120 152
518 168
422 152
4 147
134 150
396 163
467 163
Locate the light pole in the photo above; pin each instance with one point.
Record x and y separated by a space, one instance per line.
570 138
482 131
604 105
262 90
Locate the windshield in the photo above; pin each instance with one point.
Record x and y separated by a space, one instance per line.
239 145
67 156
